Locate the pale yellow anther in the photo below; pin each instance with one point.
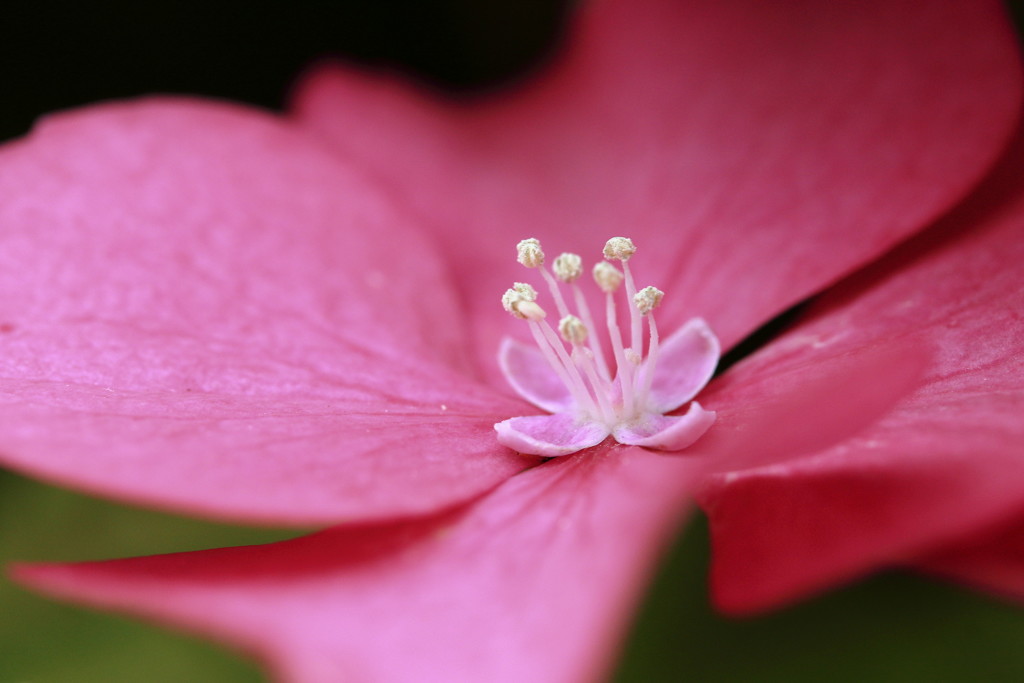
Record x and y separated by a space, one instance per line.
607 277
520 303
531 311
647 299
525 290
619 249
529 253
572 330
568 267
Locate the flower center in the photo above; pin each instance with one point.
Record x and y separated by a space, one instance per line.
600 395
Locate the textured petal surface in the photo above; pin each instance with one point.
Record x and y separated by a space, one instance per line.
192 316
529 374
755 151
668 432
686 361
533 583
549 435
946 460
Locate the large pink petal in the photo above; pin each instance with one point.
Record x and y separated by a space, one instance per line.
943 461
755 150
533 583
992 561
200 309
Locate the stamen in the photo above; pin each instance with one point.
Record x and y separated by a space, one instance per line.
594 395
556 293
531 311
622 249
568 267
550 356
593 343
520 302
529 253
652 361
526 290
647 299
619 249
599 403
579 389
636 324
574 331
608 278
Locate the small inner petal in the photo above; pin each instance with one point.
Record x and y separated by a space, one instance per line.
686 362
667 432
531 377
550 435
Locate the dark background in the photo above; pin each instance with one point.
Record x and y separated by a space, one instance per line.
59 55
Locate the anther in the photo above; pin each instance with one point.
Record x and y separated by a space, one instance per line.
647 299
572 330
519 301
568 267
529 253
607 277
531 311
525 290
619 249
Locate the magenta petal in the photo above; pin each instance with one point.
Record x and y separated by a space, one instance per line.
755 151
686 362
527 372
942 463
550 435
221 318
992 561
536 582
668 432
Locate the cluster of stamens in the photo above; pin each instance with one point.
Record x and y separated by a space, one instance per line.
599 394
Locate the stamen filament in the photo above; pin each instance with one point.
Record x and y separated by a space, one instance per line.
622 372
592 342
583 397
585 360
556 292
552 359
634 314
652 361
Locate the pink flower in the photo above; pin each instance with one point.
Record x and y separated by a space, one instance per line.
293 321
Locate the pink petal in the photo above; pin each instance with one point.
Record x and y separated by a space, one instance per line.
943 463
550 435
668 432
756 151
533 583
686 362
201 310
992 561
526 371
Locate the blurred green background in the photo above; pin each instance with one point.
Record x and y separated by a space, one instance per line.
889 628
